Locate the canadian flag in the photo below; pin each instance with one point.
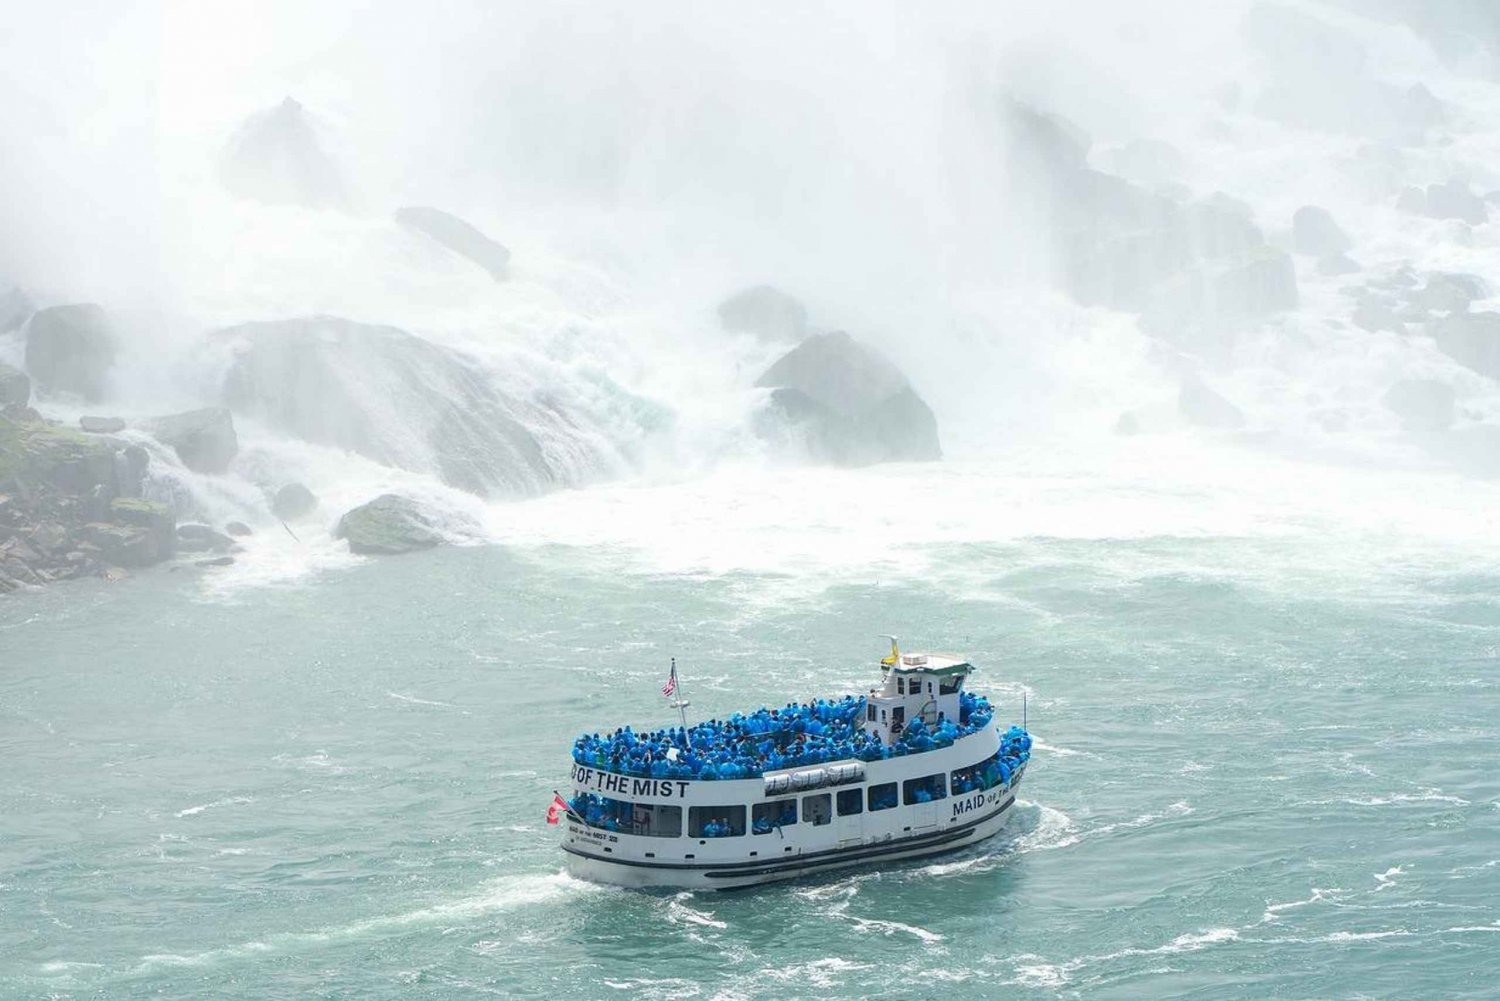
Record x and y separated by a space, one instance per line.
557 809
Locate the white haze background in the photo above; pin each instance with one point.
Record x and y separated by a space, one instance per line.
643 161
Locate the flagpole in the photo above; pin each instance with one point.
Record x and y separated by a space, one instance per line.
682 703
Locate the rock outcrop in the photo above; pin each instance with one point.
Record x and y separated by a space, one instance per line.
70 504
277 158
293 501
765 312
406 402
1471 339
388 525
70 349
204 440
101 425
1452 200
194 538
458 236
1314 232
851 405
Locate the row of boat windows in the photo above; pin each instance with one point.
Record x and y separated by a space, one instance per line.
728 821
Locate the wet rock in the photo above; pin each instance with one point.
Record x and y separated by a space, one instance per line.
237 529
124 545
1202 406
70 349
458 236
1128 424
194 538
276 157
204 440
853 405
101 425
1471 339
293 501
1422 404
406 402
217 561
15 387
766 312
1372 315
1315 233
1145 161
388 525
154 517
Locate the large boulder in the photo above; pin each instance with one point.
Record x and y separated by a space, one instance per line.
202 539
1471 339
293 501
15 387
458 236
404 401
1315 232
1422 404
204 440
1454 200
277 158
102 425
766 312
854 406
70 349
387 525
1450 292
154 518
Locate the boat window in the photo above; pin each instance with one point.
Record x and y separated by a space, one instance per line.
817 810
647 820
898 714
882 796
773 813
987 774
924 790
716 821
900 685
870 712
851 802
950 686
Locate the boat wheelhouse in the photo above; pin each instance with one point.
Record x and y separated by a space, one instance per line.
916 766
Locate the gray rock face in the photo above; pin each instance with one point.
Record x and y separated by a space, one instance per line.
1314 232
1422 404
1339 264
237 528
101 425
276 158
1471 339
204 440
854 406
70 349
15 387
1450 292
293 501
766 312
388 525
1454 200
1202 406
458 236
403 401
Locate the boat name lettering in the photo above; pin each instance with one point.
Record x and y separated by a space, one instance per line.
592 778
974 802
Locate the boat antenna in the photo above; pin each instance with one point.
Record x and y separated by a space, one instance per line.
1023 709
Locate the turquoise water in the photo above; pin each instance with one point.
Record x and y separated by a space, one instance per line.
1257 776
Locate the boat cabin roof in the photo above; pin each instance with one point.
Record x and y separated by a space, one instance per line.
936 664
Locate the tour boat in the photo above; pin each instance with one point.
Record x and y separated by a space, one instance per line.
915 767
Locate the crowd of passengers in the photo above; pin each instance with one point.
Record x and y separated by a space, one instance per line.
1015 750
794 735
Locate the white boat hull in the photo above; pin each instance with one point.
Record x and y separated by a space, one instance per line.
639 873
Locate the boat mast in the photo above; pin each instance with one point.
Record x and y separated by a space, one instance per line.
680 703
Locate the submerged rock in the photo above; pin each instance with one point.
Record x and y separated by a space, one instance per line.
387 525
458 236
204 440
766 312
855 407
15 387
237 528
1315 233
293 501
276 158
70 349
404 401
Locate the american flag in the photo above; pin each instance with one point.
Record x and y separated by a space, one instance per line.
671 686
